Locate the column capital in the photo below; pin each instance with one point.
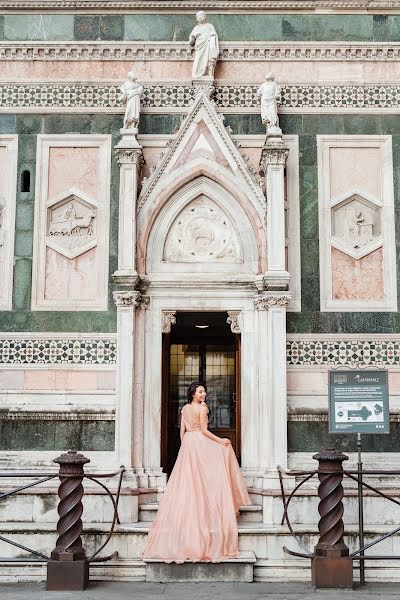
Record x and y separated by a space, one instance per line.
268 300
127 298
168 319
273 154
234 320
126 155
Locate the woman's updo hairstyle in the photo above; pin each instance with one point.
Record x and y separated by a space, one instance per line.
192 389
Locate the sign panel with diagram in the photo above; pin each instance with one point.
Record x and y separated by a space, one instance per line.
358 402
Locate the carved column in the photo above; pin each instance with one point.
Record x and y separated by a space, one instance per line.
272 166
126 302
272 383
130 159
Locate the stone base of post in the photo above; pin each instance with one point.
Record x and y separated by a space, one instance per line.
332 572
64 576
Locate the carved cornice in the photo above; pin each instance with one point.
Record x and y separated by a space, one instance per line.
181 51
168 319
167 5
129 156
234 320
270 299
126 298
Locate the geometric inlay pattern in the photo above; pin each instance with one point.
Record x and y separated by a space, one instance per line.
59 351
103 95
336 352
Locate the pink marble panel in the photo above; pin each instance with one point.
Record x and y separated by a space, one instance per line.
82 380
12 380
61 379
74 279
307 381
150 71
394 383
355 167
73 167
357 279
106 380
39 380
150 156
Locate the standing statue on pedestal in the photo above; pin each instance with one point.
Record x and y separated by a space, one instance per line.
270 95
131 93
205 41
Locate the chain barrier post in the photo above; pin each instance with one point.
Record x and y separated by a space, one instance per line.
68 568
331 566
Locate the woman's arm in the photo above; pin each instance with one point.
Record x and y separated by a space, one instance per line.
204 427
183 427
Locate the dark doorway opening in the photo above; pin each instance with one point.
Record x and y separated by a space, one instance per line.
200 347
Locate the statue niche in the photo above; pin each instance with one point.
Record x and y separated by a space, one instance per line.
202 232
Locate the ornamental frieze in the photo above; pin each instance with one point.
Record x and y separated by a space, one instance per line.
170 97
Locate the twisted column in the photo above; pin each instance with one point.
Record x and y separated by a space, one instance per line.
68 569
330 508
69 526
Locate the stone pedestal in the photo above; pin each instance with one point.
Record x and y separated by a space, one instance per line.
272 166
130 159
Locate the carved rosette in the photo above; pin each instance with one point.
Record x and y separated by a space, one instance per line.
127 298
234 321
129 156
168 319
267 300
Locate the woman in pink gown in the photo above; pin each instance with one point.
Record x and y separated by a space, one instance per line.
196 519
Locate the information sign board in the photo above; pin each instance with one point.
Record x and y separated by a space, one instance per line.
358 402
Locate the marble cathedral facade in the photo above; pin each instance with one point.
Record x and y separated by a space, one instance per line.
196 241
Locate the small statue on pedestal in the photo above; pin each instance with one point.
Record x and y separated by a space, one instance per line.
270 94
131 94
205 41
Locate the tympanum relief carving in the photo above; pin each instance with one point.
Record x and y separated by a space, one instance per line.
356 225
202 232
71 225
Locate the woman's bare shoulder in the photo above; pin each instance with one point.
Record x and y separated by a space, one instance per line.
204 407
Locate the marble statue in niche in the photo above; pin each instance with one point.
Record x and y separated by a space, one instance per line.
269 93
204 38
202 233
131 94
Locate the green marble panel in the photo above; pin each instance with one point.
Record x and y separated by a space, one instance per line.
159 123
1 27
394 28
381 28
158 27
341 27
72 123
24 216
362 124
87 27
313 436
39 27
26 124
23 243
7 124
21 291
245 124
57 435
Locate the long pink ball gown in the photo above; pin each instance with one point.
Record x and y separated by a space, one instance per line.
196 519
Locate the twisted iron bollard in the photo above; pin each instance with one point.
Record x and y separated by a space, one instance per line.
68 568
331 565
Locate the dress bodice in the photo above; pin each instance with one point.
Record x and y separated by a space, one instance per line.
192 419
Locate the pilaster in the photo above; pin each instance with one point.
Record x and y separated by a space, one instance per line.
272 165
272 384
130 159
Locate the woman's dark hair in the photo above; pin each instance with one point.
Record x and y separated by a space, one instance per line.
192 389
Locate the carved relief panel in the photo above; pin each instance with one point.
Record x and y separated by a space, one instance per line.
71 223
356 214
8 180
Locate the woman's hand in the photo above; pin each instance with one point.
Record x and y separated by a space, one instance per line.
225 441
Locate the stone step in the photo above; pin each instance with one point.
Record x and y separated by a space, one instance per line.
248 514
230 569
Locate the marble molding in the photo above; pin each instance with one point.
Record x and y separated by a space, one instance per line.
8 190
239 5
283 51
